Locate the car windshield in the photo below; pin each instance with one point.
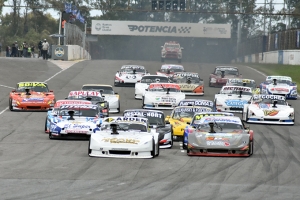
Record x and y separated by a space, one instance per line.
154 117
130 70
86 112
33 87
93 98
153 79
163 90
179 113
127 126
106 90
278 81
221 127
235 92
176 46
227 72
269 101
172 70
187 79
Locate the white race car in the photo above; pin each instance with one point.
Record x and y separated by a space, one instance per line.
163 96
74 120
269 109
279 85
124 137
108 93
140 87
129 75
232 98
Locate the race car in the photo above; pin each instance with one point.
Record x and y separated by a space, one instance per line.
189 82
197 102
221 74
162 96
107 92
171 50
31 96
181 116
124 137
141 87
269 109
75 120
220 136
157 122
93 96
53 112
279 85
244 82
196 121
232 98
169 69
129 75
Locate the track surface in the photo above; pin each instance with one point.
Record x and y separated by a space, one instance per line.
34 167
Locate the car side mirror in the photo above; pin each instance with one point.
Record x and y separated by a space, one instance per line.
116 93
159 70
13 91
146 89
118 72
289 104
66 98
167 122
51 91
150 126
50 109
189 123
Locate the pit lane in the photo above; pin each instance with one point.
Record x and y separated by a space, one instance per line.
34 167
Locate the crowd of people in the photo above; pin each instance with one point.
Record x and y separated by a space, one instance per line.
28 51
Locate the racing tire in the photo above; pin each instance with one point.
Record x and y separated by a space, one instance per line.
143 102
209 83
247 114
172 141
162 60
46 125
89 150
187 151
10 105
158 149
116 84
183 145
119 108
251 148
50 136
153 149
179 60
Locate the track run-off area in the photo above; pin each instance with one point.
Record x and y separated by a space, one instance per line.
34 167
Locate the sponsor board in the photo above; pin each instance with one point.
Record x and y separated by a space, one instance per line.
146 28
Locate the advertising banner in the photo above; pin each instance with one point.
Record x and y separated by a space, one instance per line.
146 28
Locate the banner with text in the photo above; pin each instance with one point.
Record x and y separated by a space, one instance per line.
146 28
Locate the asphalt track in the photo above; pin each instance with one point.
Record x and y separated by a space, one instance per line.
34 167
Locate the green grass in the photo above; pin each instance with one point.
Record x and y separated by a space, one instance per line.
283 70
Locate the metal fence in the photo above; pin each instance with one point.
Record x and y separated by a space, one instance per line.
284 40
75 36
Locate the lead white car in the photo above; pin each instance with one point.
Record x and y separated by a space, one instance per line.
164 96
133 139
269 109
232 98
140 87
129 75
108 93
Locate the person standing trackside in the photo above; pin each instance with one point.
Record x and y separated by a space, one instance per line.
40 45
45 48
25 49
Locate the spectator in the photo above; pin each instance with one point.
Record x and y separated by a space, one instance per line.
17 49
25 49
40 45
29 51
45 49
13 50
21 50
32 51
7 51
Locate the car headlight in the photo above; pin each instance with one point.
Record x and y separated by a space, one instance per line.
252 113
291 114
294 92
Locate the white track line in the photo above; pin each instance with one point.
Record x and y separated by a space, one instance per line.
7 86
44 81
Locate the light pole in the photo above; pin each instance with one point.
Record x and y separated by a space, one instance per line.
239 34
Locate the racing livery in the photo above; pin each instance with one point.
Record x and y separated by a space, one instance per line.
171 50
93 96
162 96
279 85
53 112
31 96
169 69
133 139
129 75
221 74
232 98
181 116
220 136
74 120
189 82
244 82
269 109
156 121
197 102
141 87
107 93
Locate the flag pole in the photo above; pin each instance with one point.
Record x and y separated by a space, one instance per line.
59 26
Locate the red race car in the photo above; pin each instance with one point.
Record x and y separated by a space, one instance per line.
221 74
31 96
171 50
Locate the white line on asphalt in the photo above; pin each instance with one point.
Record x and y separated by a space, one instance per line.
7 86
44 81
261 73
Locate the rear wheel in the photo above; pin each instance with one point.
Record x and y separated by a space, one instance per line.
153 149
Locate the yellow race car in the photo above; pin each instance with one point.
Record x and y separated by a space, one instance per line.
182 115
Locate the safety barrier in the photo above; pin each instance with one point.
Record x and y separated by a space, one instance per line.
69 52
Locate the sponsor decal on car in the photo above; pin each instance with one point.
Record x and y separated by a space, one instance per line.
143 114
31 84
217 143
191 109
32 99
235 103
206 103
84 93
121 140
188 86
280 89
271 112
272 97
244 89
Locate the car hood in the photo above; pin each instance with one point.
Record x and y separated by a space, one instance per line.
188 87
268 110
279 88
232 100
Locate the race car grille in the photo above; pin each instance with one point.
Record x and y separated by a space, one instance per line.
119 152
273 120
279 94
217 151
165 106
236 109
168 99
34 107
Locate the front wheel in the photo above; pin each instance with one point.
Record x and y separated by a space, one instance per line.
51 136
90 150
143 101
153 149
119 108
251 148
10 105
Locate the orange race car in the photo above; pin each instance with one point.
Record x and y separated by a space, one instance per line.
31 96
190 83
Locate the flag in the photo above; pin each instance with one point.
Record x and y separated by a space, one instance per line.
81 19
68 7
78 15
74 10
